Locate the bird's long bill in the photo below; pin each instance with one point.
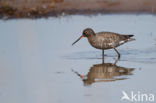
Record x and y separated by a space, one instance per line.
78 39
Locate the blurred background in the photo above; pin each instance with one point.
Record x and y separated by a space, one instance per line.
38 8
38 63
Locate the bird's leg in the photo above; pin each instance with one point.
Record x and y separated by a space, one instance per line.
102 55
117 53
116 61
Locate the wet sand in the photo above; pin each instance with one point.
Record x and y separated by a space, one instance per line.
46 8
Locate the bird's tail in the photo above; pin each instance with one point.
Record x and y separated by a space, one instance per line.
126 38
130 39
130 36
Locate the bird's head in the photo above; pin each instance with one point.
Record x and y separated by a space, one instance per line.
86 33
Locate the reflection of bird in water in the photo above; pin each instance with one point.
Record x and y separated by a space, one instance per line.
105 72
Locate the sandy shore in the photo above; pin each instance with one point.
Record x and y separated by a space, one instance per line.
39 8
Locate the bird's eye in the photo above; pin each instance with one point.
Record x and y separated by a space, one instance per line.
86 32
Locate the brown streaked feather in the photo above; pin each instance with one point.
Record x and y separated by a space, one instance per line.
108 40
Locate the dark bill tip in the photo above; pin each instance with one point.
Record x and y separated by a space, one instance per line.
78 39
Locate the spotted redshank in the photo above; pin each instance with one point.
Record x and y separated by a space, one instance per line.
105 40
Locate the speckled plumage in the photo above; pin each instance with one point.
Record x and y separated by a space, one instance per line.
105 40
108 40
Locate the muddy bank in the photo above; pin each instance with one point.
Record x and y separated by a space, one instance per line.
39 8
26 8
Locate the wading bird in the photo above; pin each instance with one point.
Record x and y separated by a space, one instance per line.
105 40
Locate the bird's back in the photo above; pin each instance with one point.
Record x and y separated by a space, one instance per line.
108 40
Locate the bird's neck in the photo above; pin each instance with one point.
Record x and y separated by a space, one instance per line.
91 36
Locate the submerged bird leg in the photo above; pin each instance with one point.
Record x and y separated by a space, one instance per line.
117 53
102 55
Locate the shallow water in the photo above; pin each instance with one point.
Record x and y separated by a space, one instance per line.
39 65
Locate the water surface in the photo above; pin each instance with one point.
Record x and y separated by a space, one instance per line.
39 65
